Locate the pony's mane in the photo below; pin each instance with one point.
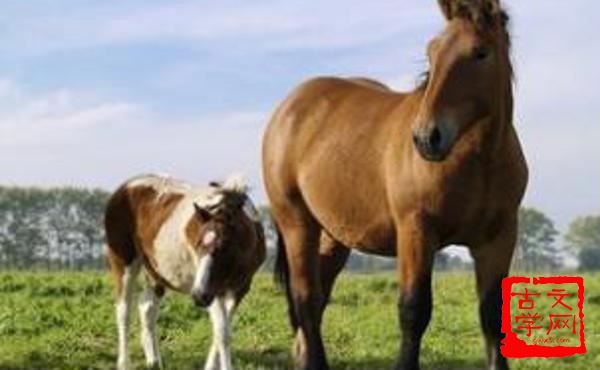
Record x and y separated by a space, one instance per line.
227 196
236 183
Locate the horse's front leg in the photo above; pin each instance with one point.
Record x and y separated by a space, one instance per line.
219 356
492 262
416 248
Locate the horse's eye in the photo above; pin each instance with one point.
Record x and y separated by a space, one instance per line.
481 53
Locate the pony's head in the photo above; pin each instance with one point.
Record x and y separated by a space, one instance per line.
469 74
226 227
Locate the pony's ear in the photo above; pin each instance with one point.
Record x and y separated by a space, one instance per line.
203 213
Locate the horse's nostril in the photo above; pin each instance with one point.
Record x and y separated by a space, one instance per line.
416 140
435 139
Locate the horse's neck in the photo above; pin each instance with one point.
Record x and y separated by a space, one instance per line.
502 120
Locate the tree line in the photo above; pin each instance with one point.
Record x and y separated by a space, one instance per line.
61 228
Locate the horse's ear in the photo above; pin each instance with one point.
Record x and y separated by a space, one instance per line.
493 6
447 7
491 13
478 11
457 8
203 213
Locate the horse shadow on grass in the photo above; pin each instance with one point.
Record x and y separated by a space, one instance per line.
279 358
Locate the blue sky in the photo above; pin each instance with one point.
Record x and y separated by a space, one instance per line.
92 92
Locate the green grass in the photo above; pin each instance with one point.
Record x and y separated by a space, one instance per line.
65 320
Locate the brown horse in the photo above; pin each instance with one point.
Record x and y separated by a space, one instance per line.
350 164
203 241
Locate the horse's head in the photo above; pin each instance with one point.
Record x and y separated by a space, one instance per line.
469 68
225 230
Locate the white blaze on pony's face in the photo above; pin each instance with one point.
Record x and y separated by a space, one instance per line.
200 290
203 290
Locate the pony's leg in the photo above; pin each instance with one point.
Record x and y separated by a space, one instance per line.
492 262
212 360
220 353
332 259
302 243
149 306
416 246
126 286
230 303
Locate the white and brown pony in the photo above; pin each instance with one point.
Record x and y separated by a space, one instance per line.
203 241
350 164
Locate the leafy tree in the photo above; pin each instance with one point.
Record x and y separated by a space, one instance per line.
589 259
583 239
51 227
536 247
584 232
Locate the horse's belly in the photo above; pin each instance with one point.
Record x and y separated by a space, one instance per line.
355 215
375 239
358 228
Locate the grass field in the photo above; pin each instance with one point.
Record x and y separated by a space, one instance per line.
65 321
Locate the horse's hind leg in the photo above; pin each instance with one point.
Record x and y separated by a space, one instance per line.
301 235
332 259
149 306
125 276
492 263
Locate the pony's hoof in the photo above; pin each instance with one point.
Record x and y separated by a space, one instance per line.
154 366
122 366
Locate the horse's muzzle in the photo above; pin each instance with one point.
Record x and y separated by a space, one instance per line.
431 144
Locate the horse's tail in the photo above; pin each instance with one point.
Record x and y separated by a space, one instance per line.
281 274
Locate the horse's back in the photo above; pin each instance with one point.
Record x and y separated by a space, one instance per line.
327 112
370 83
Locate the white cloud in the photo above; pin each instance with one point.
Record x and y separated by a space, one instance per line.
72 137
267 24
28 121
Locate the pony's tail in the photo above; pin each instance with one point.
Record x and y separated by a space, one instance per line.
281 274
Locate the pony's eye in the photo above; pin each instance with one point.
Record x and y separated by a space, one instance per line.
481 53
